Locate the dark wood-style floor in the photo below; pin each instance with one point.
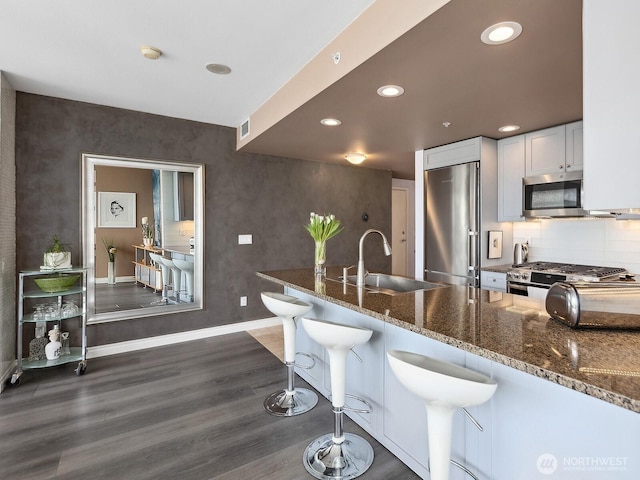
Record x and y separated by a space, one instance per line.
124 296
187 411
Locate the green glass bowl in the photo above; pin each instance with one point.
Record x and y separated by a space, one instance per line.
53 284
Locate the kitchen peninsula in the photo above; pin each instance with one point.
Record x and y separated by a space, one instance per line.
567 393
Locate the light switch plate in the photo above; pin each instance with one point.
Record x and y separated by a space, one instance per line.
245 239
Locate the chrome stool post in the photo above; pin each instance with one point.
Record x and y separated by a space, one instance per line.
290 401
338 455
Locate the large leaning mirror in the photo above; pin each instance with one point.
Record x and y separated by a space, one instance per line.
142 235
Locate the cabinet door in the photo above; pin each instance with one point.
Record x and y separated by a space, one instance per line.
511 160
545 151
574 146
453 154
405 416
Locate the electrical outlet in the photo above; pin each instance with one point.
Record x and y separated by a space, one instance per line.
243 301
245 239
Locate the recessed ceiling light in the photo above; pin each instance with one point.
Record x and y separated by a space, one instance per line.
446 124
390 91
509 128
218 69
355 157
152 53
500 33
330 122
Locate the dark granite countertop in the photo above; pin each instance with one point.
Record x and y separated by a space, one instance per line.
508 329
498 268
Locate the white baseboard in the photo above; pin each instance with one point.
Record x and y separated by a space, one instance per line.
144 343
130 278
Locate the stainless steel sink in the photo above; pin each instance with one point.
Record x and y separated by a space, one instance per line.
393 284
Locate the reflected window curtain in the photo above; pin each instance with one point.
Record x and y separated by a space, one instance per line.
157 208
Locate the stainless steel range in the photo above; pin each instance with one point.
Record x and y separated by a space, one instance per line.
541 275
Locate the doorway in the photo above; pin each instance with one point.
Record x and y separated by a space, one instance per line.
402 227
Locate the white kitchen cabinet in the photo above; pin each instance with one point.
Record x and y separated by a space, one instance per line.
545 151
574 146
543 430
405 417
611 104
511 170
364 364
453 154
496 281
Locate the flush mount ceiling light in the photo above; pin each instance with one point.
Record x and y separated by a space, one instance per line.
500 33
355 157
509 128
152 53
330 122
446 124
218 68
390 91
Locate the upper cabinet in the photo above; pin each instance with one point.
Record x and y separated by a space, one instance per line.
183 191
510 173
611 104
552 150
574 145
545 151
453 154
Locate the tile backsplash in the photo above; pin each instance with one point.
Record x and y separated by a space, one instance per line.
588 241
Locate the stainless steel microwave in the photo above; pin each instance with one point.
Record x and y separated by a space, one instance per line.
553 195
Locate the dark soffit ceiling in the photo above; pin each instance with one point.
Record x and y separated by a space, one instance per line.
448 75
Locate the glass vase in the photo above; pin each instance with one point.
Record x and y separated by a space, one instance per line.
111 273
321 258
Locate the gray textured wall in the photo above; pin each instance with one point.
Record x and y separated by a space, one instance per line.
268 197
7 230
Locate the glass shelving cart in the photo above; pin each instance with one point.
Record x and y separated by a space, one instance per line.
33 298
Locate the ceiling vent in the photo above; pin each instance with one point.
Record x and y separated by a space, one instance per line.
244 129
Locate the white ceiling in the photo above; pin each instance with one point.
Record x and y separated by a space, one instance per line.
88 50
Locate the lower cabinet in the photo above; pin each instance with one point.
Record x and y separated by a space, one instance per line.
405 417
532 428
496 281
364 366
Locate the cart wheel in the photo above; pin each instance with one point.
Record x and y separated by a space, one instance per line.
82 367
13 381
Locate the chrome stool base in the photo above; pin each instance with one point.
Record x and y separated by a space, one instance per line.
325 459
286 404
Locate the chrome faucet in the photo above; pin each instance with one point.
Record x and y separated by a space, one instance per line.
361 270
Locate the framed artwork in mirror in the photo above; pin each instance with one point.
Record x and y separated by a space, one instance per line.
116 210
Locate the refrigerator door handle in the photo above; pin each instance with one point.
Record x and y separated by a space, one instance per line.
472 252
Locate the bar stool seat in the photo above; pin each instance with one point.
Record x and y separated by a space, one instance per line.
444 387
290 401
337 455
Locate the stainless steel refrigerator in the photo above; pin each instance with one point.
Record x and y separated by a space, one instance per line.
452 219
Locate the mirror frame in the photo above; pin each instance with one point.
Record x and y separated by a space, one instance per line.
89 162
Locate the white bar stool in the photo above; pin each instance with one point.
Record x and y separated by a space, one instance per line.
444 387
165 275
187 268
290 401
337 455
175 276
